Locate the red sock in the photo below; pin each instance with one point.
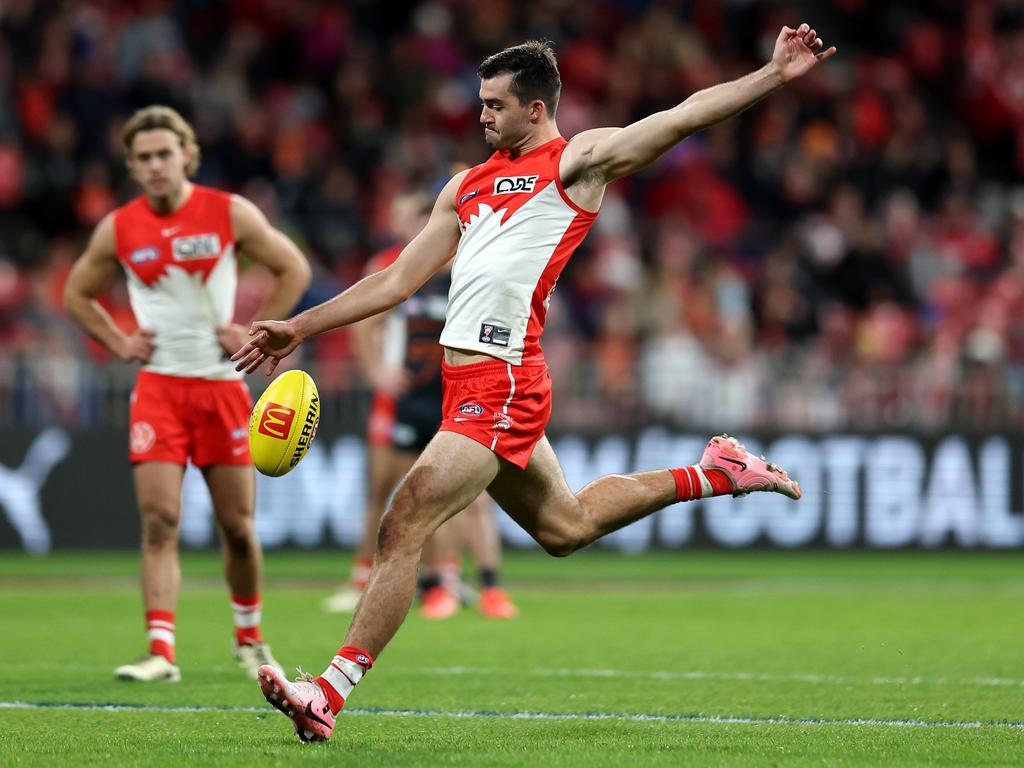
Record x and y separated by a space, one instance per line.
688 482
160 631
346 670
248 614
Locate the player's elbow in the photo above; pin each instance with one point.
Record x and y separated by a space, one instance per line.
683 120
303 274
72 299
395 289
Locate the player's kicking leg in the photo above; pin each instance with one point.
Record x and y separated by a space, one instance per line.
449 474
563 522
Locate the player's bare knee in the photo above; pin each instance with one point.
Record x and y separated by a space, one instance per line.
399 532
560 543
414 513
237 532
559 547
421 489
159 524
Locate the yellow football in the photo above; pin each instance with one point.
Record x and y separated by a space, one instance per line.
283 423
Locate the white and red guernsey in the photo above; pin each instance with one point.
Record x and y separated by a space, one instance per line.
182 277
519 229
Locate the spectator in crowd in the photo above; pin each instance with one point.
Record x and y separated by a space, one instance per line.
882 219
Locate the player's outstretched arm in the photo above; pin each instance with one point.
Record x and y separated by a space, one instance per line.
428 252
606 154
89 278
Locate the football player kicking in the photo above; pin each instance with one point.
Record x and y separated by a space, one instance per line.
513 222
398 353
176 243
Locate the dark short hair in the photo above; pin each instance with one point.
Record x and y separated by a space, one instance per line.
534 71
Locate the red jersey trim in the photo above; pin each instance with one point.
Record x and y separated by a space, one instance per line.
565 195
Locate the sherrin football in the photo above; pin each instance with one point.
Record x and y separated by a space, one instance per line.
283 423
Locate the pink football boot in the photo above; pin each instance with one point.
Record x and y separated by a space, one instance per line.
747 472
303 701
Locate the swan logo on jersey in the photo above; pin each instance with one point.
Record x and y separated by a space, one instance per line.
276 421
507 185
196 247
142 255
468 196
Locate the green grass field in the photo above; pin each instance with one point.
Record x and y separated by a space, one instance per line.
674 659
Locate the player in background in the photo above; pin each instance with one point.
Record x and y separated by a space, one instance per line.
177 244
473 531
398 353
513 222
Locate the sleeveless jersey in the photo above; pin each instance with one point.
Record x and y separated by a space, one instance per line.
182 275
519 229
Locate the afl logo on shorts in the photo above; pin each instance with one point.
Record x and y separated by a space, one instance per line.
472 409
142 437
276 421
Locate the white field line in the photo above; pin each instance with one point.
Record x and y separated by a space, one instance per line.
485 714
666 675
761 677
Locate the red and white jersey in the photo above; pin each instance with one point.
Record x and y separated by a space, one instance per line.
519 229
182 276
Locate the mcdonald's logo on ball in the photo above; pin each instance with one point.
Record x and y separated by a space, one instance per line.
284 422
276 421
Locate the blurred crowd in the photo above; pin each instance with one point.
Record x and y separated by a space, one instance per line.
848 254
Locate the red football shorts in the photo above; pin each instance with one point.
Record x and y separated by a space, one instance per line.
502 406
381 424
175 418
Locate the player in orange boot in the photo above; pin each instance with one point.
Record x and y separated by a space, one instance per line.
473 532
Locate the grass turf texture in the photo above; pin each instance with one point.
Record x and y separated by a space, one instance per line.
790 649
